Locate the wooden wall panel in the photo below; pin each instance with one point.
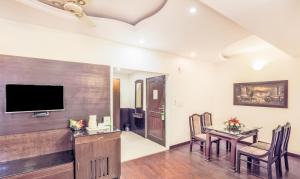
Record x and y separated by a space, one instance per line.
18 146
86 91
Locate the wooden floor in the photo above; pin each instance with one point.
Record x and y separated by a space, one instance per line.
179 163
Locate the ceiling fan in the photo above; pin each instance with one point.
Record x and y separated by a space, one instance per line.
73 6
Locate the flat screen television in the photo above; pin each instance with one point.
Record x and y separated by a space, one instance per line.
34 98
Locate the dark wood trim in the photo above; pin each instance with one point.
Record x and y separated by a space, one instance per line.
294 155
116 102
241 142
179 145
285 82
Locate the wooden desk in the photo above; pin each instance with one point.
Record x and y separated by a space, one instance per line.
232 138
97 155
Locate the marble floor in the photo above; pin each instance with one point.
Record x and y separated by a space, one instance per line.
134 146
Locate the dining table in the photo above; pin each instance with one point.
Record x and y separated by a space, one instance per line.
232 136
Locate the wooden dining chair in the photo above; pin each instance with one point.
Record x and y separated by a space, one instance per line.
270 156
206 121
197 136
284 146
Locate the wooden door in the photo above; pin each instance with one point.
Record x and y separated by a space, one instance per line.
116 103
156 109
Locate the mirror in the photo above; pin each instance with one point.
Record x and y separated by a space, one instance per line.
139 94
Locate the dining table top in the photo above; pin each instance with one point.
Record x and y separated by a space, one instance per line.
240 133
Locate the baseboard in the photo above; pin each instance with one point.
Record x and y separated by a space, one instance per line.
241 142
294 155
179 145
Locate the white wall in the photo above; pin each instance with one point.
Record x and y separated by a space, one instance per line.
240 70
188 89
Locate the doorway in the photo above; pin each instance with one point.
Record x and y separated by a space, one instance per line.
130 113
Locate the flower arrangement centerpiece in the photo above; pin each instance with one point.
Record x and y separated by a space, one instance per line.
233 124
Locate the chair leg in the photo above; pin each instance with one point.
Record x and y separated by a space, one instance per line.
286 162
256 167
279 167
218 148
201 146
269 168
191 145
238 162
249 163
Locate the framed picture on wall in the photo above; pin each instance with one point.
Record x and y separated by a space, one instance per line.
263 94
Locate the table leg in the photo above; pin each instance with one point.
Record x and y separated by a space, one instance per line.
233 153
208 146
255 137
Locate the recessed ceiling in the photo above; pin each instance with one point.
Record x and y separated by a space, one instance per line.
200 34
129 11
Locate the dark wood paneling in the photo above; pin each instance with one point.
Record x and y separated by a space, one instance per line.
86 91
18 146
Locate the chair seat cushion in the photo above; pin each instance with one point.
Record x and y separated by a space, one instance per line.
261 145
253 151
203 137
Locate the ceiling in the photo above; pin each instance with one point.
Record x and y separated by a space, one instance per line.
200 34
254 48
275 21
120 9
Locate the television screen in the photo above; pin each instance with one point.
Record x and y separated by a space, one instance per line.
28 98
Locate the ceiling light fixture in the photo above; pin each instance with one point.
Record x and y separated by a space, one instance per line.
142 41
258 65
193 10
192 54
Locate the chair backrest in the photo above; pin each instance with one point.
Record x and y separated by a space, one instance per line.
276 143
206 121
286 137
195 127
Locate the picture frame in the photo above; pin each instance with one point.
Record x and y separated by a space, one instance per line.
261 94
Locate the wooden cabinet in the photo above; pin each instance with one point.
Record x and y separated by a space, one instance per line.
98 156
65 171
